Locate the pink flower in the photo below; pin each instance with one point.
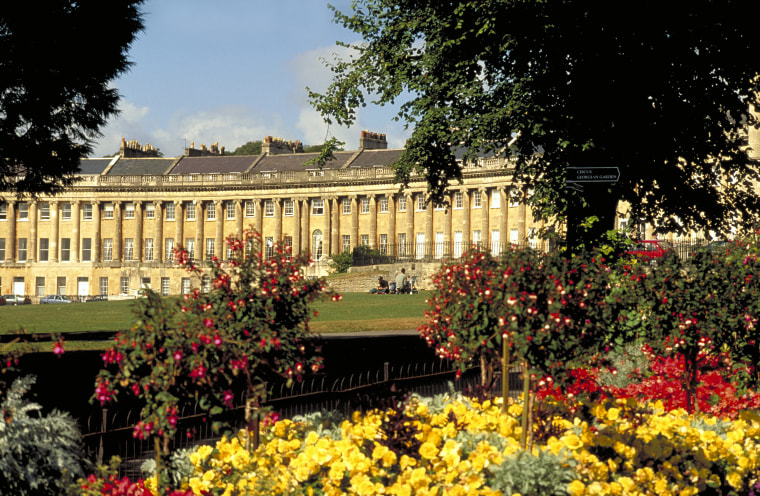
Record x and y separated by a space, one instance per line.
58 348
208 323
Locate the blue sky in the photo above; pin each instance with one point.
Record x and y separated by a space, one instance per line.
233 71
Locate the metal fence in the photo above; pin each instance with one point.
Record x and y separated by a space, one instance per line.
111 432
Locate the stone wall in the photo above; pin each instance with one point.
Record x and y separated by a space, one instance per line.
365 278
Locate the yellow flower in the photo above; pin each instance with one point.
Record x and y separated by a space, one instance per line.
428 450
572 442
613 414
576 488
735 479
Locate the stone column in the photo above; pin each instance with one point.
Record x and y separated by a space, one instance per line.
200 241
305 231
219 249
466 213
335 227
504 221
392 236
258 216
485 235
238 218
411 242
97 248
522 214
158 236
277 220
327 231
54 232
354 223
10 243
297 226
372 222
31 252
447 215
429 237
179 227
138 254
75 228
117 234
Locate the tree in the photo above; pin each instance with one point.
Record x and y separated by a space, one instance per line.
54 88
250 148
661 92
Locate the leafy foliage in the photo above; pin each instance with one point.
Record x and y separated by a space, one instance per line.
54 100
531 474
249 148
342 261
38 454
521 77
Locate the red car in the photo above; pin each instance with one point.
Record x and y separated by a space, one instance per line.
649 249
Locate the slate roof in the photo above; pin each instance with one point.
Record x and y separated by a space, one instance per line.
373 158
141 166
93 166
214 165
295 162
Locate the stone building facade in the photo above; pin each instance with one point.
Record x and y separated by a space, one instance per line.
113 232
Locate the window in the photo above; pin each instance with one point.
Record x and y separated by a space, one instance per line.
23 211
44 249
39 286
420 202
268 247
317 206
170 211
3 211
383 204
364 239
513 236
402 244
316 244
21 252
108 211
227 252
44 211
458 248
169 249
107 249
496 199
345 244
346 204
189 211
250 208
145 282
287 242
365 206
86 249
289 210
438 244
205 284
148 249
230 210
458 200
2 250
129 210
210 245
87 211
65 249
103 286
124 285
420 247
476 238
129 249
476 203
210 211
185 285
402 203
165 286
268 208
61 286
495 242
66 211
150 210
190 247
383 243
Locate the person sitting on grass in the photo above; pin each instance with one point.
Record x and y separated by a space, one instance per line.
401 282
382 286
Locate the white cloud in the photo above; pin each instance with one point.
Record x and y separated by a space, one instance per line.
127 125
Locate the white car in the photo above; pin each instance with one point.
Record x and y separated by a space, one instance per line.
54 299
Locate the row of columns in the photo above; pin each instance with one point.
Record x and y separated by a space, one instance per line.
301 228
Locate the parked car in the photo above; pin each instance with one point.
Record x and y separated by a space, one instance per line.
54 299
96 298
16 300
649 250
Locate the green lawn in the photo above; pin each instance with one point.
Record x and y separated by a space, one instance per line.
355 312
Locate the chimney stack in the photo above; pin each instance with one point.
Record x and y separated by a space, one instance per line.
372 141
279 146
133 149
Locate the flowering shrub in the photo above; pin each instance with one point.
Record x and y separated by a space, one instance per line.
251 326
623 447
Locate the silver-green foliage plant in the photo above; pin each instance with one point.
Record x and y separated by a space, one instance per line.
545 474
625 368
39 454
